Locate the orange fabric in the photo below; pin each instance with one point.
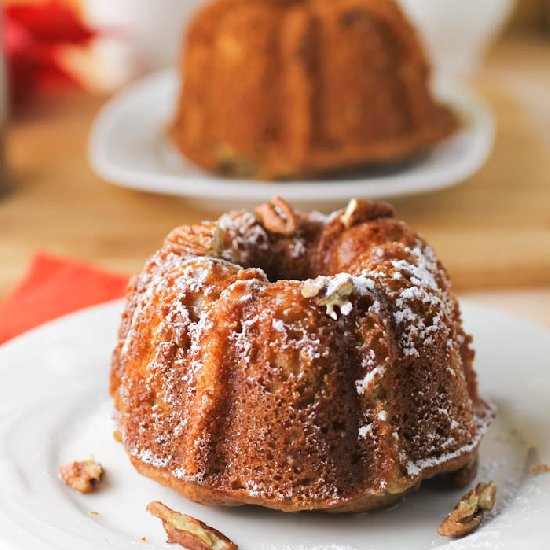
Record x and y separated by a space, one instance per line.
53 287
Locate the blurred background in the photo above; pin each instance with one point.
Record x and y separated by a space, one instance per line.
63 59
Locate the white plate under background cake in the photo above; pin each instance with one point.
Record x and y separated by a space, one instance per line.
128 147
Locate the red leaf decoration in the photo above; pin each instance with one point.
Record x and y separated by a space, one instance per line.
33 36
50 22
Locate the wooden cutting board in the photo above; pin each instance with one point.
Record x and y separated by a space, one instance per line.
493 231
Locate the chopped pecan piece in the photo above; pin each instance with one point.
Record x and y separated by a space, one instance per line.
330 292
312 288
540 468
188 531
278 216
84 476
363 211
468 513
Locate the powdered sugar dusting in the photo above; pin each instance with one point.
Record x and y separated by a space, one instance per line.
183 326
365 430
337 291
482 421
418 289
245 235
366 383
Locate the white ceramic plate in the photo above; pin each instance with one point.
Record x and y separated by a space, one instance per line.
128 147
54 408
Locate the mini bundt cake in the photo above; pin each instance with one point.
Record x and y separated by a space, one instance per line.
293 88
296 362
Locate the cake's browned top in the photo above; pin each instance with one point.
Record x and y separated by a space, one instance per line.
279 89
326 368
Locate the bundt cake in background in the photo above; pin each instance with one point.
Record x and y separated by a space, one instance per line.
293 88
296 362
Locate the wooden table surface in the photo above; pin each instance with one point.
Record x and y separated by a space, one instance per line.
492 232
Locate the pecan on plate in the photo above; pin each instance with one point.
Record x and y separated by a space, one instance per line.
84 475
468 513
188 531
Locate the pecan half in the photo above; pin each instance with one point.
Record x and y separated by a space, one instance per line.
278 217
363 211
197 239
84 476
188 531
468 513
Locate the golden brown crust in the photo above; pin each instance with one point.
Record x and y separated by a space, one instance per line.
467 474
361 502
326 369
351 88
